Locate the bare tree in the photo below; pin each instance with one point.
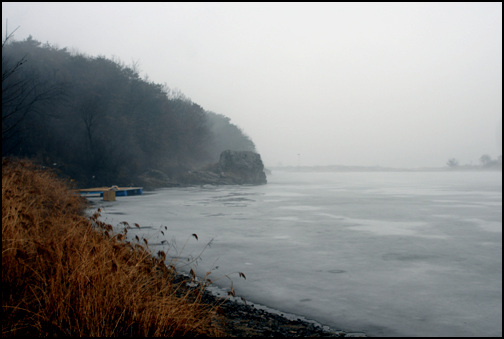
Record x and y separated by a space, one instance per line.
486 160
22 90
452 163
14 93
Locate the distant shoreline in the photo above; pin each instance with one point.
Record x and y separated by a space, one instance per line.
338 168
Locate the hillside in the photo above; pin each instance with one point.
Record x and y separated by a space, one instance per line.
98 123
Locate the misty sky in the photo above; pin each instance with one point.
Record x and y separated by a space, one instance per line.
385 84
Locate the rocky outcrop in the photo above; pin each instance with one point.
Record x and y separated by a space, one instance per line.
244 167
233 168
154 179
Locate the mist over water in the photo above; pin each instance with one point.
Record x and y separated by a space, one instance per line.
362 76
387 253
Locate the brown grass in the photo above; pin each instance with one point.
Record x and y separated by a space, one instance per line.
65 274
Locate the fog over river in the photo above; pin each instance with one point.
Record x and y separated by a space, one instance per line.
384 253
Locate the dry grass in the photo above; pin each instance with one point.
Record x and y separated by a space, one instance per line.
65 274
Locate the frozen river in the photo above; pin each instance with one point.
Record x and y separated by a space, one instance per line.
385 253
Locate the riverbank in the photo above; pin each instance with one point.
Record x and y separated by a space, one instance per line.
66 274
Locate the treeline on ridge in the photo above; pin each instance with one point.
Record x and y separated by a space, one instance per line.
96 121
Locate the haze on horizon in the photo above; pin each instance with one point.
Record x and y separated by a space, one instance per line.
364 84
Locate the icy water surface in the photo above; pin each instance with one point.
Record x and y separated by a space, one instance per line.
386 253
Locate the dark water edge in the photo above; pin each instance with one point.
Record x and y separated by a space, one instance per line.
246 319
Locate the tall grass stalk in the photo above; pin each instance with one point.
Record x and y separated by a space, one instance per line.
66 274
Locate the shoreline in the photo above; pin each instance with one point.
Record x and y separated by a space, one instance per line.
248 319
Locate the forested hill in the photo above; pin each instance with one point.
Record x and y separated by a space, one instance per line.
99 123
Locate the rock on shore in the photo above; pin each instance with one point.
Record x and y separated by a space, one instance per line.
233 168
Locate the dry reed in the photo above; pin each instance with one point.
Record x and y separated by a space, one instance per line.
65 274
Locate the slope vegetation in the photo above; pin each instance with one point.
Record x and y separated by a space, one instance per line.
65 274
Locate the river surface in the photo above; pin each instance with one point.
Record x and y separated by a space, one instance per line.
384 253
